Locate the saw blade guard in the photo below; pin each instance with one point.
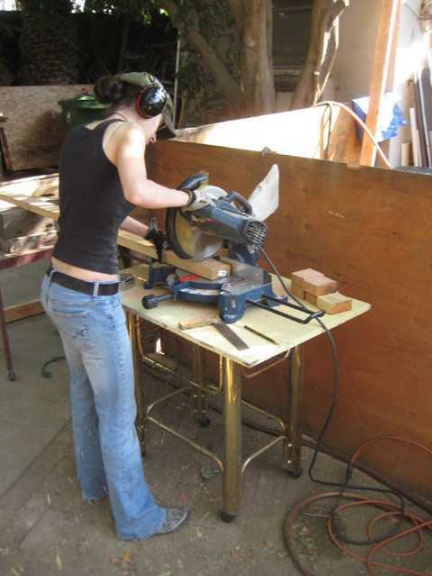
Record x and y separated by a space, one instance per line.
185 237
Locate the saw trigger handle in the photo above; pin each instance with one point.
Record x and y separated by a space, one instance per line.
194 181
236 197
151 301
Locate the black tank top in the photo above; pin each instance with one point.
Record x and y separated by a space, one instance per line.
92 203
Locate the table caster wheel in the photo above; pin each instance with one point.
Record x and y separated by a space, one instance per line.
227 517
204 422
296 474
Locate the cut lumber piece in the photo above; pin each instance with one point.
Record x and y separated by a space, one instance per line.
137 244
311 298
297 278
415 137
319 286
210 269
198 322
298 291
334 303
140 271
21 311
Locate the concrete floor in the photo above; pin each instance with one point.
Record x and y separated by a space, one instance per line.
46 529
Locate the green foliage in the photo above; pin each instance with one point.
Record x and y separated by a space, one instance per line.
215 24
139 9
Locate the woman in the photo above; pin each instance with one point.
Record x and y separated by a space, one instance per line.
102 178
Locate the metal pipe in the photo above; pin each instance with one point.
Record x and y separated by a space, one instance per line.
199 376
260 451
132 325
267 415
232 476
188 441
292 446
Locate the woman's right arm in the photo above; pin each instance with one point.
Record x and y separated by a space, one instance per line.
137 188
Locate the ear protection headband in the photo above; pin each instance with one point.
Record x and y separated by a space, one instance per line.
151 101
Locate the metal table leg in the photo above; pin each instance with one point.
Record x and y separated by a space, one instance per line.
199 376
232 476
133 335
292 445
5 338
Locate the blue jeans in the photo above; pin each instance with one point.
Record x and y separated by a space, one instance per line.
107 451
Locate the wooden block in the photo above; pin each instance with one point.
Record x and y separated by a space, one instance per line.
210 269
20 311
297 278
140 271
334 303
298 291
311 298
319 286
198 322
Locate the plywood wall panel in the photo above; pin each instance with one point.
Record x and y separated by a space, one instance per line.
371 229
33 128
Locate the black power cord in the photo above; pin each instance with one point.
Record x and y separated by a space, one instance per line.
327 421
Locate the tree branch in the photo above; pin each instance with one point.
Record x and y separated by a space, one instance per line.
322 51
214 64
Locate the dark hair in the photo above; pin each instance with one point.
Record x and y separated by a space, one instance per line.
112 90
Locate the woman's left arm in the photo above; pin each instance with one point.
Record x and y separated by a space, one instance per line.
134 226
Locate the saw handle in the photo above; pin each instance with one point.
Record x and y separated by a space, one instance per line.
151 301
236 197
194 181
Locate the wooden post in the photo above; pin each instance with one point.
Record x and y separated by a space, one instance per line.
380 70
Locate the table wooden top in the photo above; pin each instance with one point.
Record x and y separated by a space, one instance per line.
286 332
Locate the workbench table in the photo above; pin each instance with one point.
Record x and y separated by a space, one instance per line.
289 337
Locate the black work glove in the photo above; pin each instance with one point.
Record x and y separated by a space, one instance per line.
157 237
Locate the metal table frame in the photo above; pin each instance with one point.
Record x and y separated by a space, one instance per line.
232 466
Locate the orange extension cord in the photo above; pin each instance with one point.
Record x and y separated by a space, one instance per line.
391 510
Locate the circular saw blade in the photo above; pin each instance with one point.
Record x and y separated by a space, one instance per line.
186 238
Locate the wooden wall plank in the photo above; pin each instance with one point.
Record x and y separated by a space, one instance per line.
371 230
310 133
382 63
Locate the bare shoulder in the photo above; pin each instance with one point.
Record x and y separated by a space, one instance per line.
132 133
123 136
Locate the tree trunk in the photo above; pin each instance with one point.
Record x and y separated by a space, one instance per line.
254 25
47 43
256 56
322 51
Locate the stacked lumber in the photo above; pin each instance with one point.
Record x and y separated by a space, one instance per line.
421 121
315 288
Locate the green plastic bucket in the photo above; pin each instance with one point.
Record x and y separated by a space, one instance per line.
82 109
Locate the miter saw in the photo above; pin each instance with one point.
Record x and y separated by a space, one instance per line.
231 229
